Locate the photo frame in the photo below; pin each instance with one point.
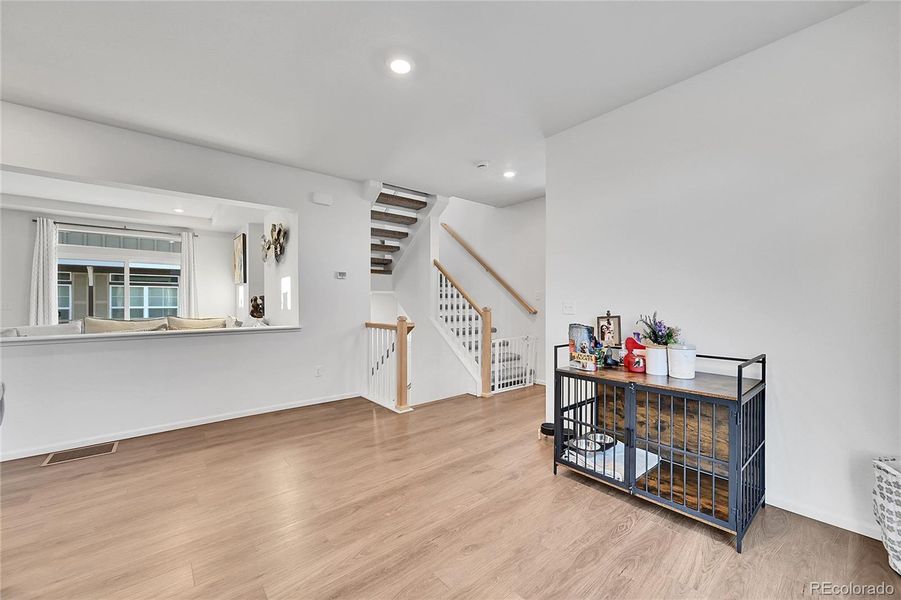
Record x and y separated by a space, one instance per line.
239 259
609 330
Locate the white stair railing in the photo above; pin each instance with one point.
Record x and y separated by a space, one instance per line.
467 323
389 363
459 317
513 362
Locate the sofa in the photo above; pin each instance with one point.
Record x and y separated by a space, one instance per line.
97 325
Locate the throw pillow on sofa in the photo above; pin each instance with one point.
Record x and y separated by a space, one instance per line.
95 325
181 323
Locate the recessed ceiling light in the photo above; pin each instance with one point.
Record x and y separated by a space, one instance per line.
178 210
509 174
401 66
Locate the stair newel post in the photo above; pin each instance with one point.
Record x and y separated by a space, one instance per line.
485 352
401 363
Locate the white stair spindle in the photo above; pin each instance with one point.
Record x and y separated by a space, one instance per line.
378 364
384 347
467 315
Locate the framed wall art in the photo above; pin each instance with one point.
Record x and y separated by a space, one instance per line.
239 259
609 330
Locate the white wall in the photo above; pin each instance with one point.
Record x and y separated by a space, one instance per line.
255 285
757 206
49 402
215 280
382 283
280 309
437 372
383 307
16 251
511 240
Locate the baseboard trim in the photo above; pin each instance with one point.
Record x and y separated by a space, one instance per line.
393 409
133 433
842 522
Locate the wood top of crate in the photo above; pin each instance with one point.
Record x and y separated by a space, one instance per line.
724 387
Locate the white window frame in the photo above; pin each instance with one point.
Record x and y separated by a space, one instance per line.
60 307
126 256
145 305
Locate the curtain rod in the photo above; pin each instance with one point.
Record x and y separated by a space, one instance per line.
121 227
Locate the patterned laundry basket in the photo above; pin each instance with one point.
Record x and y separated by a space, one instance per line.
887 507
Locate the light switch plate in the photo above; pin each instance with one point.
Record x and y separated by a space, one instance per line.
569 308
340 274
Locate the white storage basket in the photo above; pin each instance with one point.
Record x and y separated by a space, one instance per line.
887 507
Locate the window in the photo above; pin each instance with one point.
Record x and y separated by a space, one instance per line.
64 296
149 296
116 302
87 282
152 292
117 276
127 242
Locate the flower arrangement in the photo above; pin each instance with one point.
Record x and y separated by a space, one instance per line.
657 332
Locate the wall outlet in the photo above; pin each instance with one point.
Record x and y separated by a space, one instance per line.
340 274
317 370
569 308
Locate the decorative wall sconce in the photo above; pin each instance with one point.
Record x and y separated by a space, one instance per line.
276 242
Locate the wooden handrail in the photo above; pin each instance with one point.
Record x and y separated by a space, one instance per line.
485 337
516 295
457 285
390 326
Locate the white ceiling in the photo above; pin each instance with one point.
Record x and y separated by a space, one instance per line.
305 83
44 194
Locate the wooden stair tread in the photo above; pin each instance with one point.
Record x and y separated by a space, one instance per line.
401 201
383 248
380 271
391 234
376 260
386 217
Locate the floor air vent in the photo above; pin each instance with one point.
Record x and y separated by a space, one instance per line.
78 453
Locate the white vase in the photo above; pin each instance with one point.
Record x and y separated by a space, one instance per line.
682 359
656 360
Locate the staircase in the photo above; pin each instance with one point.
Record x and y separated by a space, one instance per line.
502 364
392 218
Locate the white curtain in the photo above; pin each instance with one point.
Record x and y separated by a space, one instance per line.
44 309
187 281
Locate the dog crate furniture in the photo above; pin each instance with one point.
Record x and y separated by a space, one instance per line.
695 446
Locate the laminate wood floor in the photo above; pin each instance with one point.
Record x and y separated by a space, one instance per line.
348 500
